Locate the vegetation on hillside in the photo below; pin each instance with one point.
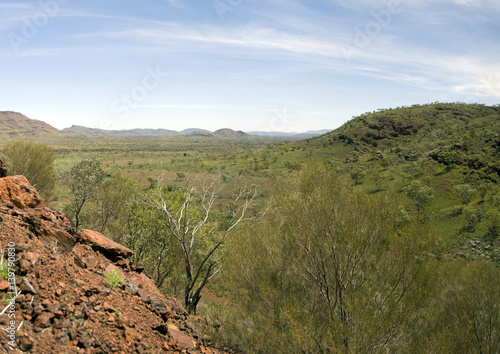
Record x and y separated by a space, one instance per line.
35 161
382 235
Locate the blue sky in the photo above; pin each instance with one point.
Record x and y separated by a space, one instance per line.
287 65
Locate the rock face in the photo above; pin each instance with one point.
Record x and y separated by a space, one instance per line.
101 243
18 191
66 304
3 169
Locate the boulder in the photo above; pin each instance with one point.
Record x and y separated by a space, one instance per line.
18 191
4 172
183 339
109 248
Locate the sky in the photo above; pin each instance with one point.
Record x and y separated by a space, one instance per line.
267 65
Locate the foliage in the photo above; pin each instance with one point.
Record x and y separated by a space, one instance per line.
4 265
357 175
84 181
153 182
472 215
113 278
465 317
154 249
102 212
329 271
419 194
466 192
189 218
493 217
35 161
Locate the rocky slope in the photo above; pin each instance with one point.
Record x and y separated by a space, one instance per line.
15 125
65 304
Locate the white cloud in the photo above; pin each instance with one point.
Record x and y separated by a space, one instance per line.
468 3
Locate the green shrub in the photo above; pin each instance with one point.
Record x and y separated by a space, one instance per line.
34 161
113 278
466 193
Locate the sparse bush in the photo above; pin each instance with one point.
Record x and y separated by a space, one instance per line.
153 182
84 181
466 193
36 162
113 278
4 268
420 195
357 175
473 216
493 217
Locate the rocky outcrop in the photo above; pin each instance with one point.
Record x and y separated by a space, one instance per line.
65 304
109 248
17 191
4 172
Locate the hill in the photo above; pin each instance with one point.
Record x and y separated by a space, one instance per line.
294 136
229 133
76 290
220 133
15 125
449 147
91 132
80 130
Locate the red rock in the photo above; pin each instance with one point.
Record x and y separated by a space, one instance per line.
108 307
24 266
130 334
31 257
43 320
18 191
182 338
4 284
101 243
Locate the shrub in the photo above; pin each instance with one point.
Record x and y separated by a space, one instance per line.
493 217
4 269
113 278
34 161
466 192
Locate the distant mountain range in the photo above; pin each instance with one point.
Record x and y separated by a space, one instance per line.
14 125
222 133
306 135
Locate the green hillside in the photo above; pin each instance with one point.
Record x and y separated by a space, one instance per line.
452 148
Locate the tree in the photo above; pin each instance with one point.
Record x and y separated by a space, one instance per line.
420 195
465 317
493 217
357 175
189 217
109 202
34 161
466 193
155 249
473 216
329 271
84 181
